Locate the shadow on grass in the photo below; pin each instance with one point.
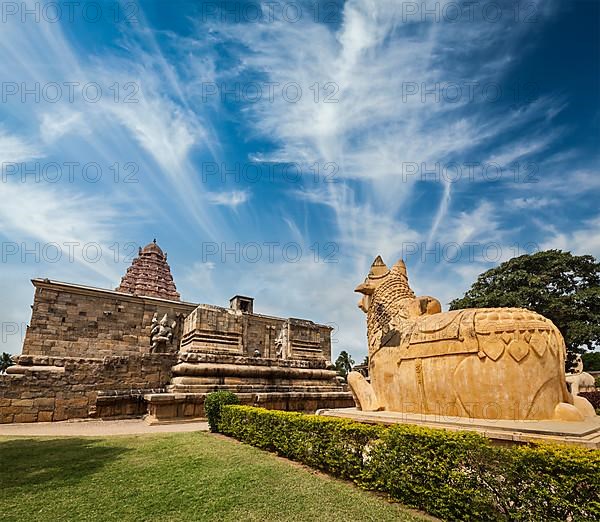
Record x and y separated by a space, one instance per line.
52 462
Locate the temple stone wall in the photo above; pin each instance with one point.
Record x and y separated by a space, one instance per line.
58 388
76 321
308 340
215 330
261 333
87 353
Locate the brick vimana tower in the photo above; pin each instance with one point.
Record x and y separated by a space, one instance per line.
149 275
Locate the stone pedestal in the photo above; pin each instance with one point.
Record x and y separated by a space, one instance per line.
202 372
584 433
293 385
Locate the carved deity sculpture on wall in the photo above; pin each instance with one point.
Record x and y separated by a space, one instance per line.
281 343
161 335
489 363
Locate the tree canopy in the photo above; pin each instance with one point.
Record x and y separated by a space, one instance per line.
5 362
344 364
562 287
591 361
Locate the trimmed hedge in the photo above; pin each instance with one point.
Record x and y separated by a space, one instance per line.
213 405
462 476
452 475
333 445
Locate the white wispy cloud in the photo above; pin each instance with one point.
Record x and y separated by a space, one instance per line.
142 117
34 213
229 199
369 66
16 149
363 116
584 239
56 124
375 126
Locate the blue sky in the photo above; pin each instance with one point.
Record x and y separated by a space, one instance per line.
276 156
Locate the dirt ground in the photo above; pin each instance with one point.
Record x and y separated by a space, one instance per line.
95 428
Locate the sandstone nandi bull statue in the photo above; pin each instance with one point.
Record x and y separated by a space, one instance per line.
487 363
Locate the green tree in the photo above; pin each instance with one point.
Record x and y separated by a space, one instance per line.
591 361
562 287
5 362
344 364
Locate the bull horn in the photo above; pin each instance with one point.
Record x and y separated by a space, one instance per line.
400 267
378 269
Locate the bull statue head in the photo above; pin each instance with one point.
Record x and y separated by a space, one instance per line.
379 271
389 291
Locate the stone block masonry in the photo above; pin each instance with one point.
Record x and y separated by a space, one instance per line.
44 389
70 320
213 329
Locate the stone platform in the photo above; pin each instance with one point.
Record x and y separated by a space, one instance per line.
304 385
586 433
167 408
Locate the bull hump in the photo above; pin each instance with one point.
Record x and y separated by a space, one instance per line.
437 327
438 322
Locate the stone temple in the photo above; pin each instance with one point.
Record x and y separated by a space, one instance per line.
139 350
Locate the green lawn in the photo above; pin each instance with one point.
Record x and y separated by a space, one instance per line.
185 476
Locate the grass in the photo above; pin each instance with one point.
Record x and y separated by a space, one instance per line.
174 477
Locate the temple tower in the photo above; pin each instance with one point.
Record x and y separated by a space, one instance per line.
150 275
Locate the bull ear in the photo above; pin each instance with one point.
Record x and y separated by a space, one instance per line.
378 268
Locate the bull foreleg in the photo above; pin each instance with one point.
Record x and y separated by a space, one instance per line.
363 392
